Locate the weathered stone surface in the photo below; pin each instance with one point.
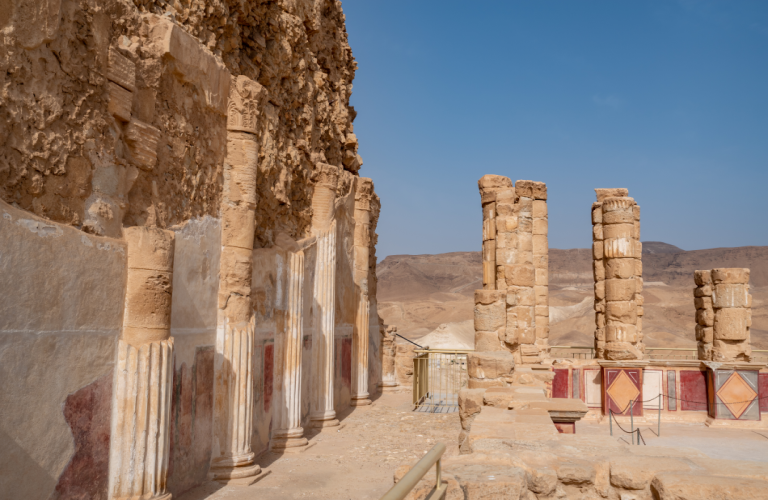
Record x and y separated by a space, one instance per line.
605 193
700 486
487 365
636 473
730 295
731 324
730 275
470 404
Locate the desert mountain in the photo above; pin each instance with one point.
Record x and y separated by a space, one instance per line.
428 293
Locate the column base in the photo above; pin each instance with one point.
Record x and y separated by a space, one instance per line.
364 401
240 474
320 424
291 439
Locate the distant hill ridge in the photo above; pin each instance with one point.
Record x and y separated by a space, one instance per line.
411 276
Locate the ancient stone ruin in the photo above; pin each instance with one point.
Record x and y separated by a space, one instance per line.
184 224
188 278
512 309
618 271
723 314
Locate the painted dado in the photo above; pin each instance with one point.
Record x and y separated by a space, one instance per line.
187 250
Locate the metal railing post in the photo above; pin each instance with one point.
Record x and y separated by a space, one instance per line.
610 420
632 419
658 431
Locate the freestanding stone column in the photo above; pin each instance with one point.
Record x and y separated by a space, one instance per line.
324 228
617 254
288 433
232 456
388 354
363 195
141 398
512 310
723 314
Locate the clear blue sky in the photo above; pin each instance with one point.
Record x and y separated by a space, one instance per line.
666 98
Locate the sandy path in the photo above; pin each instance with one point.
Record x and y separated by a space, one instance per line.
356 462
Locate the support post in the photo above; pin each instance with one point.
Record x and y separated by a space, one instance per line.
232 456
360 339
324 228
141 399
288 433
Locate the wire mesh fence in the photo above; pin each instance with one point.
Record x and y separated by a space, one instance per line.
438 375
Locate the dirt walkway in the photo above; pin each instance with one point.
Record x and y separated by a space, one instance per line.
355 462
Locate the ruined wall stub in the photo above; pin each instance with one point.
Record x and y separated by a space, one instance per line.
512 310
141 398
723 314
618 271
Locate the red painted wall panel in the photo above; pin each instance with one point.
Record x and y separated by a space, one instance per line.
560 383
693 390
346 361
763 391
269 368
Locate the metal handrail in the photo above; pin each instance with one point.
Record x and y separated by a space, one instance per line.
460 351
412 478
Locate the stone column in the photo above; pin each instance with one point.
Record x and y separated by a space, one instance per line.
489 185
388 354
232 456
141 398
363 195
620 255
515 227
705 314
288 433
723 314
324 228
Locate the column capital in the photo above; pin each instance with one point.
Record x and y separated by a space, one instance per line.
363 193
325 175
245 100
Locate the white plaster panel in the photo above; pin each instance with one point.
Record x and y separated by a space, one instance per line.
60 314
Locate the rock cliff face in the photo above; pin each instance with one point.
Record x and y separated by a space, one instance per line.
74 149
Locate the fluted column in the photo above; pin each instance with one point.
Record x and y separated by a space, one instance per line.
141 398
288 433
363 195
232 457
324 228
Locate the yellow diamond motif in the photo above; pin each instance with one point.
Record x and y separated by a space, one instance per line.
622 391
737 394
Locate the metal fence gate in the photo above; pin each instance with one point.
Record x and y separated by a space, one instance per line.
438 375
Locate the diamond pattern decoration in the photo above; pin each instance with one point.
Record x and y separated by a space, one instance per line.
622 391
737 394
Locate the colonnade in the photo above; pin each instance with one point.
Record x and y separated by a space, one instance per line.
140 428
